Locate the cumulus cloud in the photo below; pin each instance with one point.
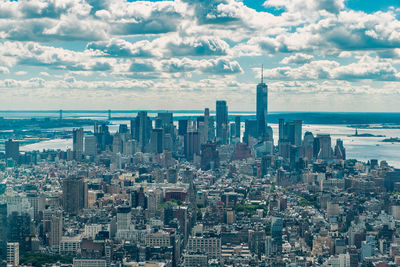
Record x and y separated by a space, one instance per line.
365 68
122 48
70 20
34 54
203 46
221 66
178 65
4 70
312 44
298 58
332 6
320 69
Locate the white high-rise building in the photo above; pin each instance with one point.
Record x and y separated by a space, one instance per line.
13 254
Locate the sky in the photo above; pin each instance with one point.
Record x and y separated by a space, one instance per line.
317 55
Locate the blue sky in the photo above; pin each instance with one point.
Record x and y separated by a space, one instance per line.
318 55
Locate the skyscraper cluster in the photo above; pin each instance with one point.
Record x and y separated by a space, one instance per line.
208 190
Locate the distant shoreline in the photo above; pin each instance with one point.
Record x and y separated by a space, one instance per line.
352 119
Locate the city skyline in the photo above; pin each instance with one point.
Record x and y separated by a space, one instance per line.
179 55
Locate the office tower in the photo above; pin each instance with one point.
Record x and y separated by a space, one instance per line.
37 202
123 218
77 143
368 247
269 135
276 232
53 227
256 239
202 128
282 130
56 229
168 143
211 128
209 156
297 132
308 146
268 246
104 138
133 130
118 145
325 146
294 155
13 253
74 195
165 119
157 141
237 126
192 144
206 123
182 127
129 147
142 128
123 128
340 151
158 123
90 145
250 131
266 163
172 176
232 133
12 149
262 107
3 229
138 199
154 199
290 131
222 121
96 128
19 229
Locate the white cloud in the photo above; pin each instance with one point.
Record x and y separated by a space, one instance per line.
21 72
298 58
332 6
366 68
169 46
122 48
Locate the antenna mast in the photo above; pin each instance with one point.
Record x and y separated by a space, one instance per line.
262 73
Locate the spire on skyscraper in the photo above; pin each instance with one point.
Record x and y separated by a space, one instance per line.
262 73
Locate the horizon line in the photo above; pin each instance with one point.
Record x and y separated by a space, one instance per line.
180 111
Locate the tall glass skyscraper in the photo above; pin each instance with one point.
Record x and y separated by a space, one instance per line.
262 106
222 121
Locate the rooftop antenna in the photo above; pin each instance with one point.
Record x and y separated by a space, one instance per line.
262 73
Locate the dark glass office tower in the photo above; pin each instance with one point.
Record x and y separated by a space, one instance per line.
262 107
237 126
222 121
74 195
142 126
